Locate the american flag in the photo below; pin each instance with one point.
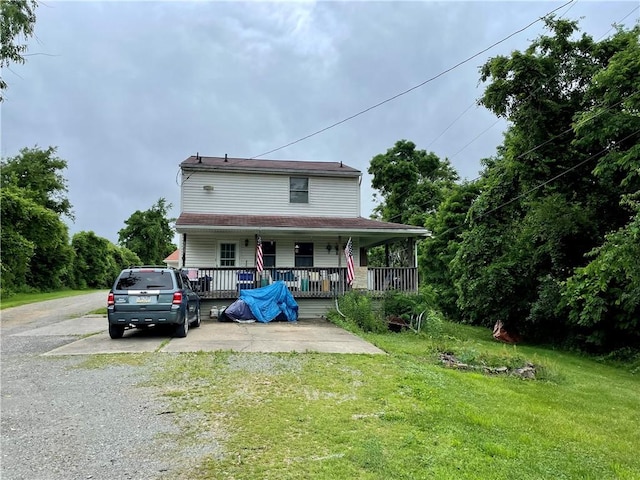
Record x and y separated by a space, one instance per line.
259 260
348 252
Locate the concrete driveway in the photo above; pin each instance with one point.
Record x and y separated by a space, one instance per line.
87 334
316 335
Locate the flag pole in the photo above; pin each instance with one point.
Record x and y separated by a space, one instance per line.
340 252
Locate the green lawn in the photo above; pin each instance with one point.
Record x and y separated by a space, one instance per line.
18 299
403 415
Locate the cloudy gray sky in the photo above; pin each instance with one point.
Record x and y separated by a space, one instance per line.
127 90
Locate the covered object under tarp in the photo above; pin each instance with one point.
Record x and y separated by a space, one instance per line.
273 302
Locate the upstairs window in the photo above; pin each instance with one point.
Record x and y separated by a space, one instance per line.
298 190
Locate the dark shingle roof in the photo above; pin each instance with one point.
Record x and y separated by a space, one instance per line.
275 221
275 166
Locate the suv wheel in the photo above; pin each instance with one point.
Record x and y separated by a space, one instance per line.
196 323
116 331
183 328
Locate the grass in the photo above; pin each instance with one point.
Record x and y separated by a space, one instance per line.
18 299
402 415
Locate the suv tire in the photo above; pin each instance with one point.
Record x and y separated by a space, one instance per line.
196 323
183 328
116 331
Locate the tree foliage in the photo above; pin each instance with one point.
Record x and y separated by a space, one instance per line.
35 241
570 154
149 233
17 248
38 175
97 261
36 252
603 298
17 20
410 182
437 252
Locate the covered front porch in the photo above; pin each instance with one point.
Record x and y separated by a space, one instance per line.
225 254
303 282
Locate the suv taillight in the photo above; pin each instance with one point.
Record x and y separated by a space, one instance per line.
177 298
110 299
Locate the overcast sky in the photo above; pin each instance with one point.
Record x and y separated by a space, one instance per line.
127 90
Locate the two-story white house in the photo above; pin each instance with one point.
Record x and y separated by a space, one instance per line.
298 214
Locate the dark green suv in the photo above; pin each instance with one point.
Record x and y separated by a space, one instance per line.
143 296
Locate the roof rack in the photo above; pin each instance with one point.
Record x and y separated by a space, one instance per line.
152 266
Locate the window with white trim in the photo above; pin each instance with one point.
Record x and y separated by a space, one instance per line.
228 252
298 190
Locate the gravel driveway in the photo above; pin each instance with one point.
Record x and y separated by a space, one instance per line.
63 422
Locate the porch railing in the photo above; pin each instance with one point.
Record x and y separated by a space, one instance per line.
319 282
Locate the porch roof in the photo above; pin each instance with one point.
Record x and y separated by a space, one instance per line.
369 231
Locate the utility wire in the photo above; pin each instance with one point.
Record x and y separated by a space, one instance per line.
351 117
476 104
554 137
530 95
579 164
546 182
451 125
476 138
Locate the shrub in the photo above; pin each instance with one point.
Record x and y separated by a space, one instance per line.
433 323
358 309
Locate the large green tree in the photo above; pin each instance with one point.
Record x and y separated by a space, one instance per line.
35 241
603 298
97 261
17 20
17 214
411 184
437 252
541 206
38 174
149 233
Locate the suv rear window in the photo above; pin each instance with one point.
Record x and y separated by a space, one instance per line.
145 280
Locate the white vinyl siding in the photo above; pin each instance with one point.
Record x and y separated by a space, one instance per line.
203 251
261 194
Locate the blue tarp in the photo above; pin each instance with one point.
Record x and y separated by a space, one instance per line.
270 302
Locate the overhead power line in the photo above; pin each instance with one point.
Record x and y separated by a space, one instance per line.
546 182
444 72
475 103
554 137
540 185
529 97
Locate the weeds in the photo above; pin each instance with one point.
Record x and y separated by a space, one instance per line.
359 311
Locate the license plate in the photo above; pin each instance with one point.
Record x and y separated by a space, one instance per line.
143 299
